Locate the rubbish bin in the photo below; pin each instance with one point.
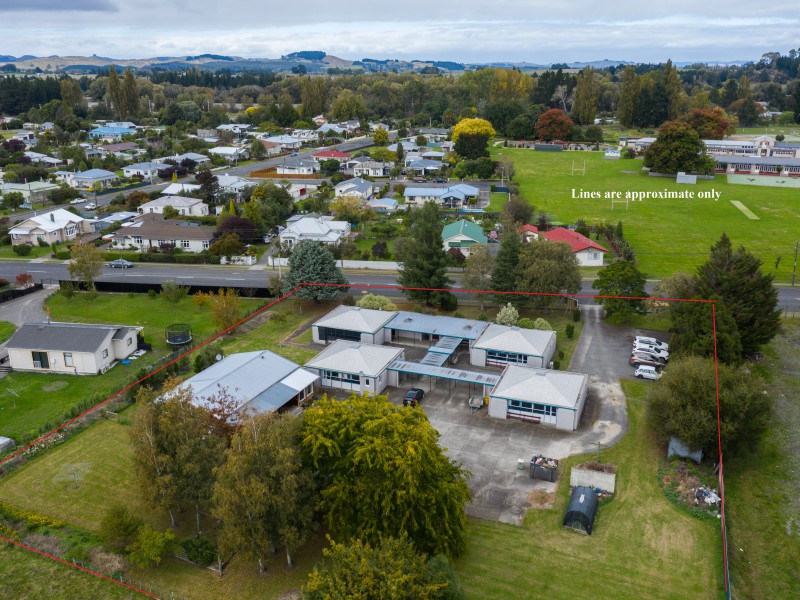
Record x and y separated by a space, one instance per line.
520 463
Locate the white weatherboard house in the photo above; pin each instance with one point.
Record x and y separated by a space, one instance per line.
58 225
502 345
147 170
353 324
318 229
540 395
185 206
70 348
355 366
258 382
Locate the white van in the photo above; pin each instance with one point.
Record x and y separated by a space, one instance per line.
645 372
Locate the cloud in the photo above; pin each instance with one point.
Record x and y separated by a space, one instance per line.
58 5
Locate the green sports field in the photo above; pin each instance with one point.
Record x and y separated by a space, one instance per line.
668 235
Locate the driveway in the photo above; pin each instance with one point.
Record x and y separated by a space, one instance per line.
27 309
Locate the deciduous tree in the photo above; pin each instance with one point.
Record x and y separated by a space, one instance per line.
225 308
87 262
678 147
471 136
389 458
683 404
380 137
620 278
553 125
548 267
478 272
587 93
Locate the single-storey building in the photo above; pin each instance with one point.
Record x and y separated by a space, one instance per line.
318 229
540 395
33 192
588 252
300 165
353 324
502 345
70 348
257 382
383 205
411 327
462 235
330 154
86 180
287 142
529 233
356 366
147 170
151 230
185 206
111 134
452 196
372 168
355 187
38 158
271 148
176 189
58 225
422 166
230 153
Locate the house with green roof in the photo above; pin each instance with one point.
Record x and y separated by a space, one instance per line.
462 235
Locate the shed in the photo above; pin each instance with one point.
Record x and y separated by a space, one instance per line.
581 510
502 345
356 366
6 443
353 324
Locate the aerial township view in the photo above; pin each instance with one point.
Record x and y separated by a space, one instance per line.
415 302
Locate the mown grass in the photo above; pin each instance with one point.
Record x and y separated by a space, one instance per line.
642 545
667 235
24 574
761 487
6 330
7 252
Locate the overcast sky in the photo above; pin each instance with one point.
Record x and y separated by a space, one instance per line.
535 31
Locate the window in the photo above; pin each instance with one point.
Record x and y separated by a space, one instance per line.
105 353
71 230
495 357
184 243
68 359
535 409
130 341
205 244
341 377
328 334
137 240
15 236
40 360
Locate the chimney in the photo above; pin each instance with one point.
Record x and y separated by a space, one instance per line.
52 217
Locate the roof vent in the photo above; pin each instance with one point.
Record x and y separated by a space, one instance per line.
407 320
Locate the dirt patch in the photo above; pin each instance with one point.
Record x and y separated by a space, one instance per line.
55 386
541 499
255 321
593 465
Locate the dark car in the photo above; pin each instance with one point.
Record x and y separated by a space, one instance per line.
440 180
120 263
413 397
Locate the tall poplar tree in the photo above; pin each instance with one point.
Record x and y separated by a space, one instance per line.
672 90
587 93
130 94
115 91
629 97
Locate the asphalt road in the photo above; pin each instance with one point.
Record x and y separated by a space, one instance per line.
257 277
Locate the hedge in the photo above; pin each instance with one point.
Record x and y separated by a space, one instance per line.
157 257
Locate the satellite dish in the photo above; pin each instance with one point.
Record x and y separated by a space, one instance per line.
218 357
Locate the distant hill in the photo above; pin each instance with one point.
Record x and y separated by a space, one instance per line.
307 55
7 58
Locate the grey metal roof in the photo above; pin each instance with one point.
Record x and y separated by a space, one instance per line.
353 318
63 337
533 342
542 386
255 379
404 366
779 161
121 333
437 325
355 358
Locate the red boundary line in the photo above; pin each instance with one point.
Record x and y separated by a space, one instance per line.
301 285
78 567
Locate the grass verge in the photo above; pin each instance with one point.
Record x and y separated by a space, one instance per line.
6 330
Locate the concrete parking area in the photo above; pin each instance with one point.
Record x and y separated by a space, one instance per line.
491 448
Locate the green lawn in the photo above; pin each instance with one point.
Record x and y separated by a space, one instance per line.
24 574
497 201
7 252
6 330
642 545
762 511
668 235
29 400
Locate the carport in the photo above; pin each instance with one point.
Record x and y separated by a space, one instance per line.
484 382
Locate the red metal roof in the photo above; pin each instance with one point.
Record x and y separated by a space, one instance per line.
331 154
530 228
576 240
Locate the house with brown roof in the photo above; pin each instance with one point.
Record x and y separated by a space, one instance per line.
151 230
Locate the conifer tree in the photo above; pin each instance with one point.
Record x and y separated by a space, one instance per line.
424 261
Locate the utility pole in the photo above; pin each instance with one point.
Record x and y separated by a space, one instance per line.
794 269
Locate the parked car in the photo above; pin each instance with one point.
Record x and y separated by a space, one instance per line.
645 358
91 206
419 180
78 201
293 154
120 263
643 339
413 397
652 349
440 180
646 372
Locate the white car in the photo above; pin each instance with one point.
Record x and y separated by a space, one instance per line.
78 201
90 206
645 372
660 354
651 341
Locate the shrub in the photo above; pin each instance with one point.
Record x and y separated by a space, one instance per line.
507 315
348 300
200 298
277 317
525 323
172 292
63 255
23 249
119 527
200 550
540 323
569 330
376 302
150 546
576 314
152 293
448 301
